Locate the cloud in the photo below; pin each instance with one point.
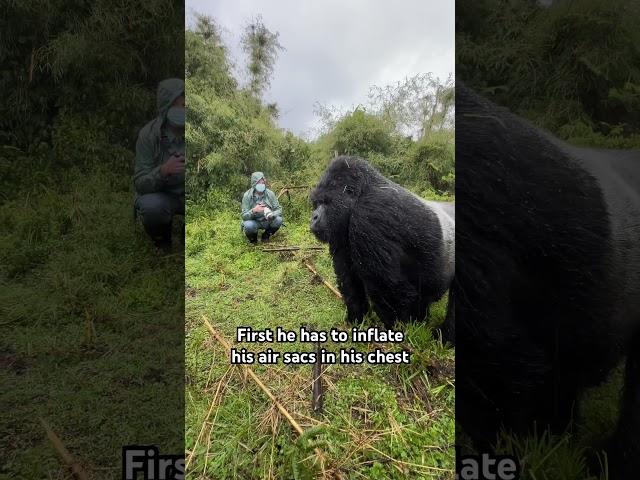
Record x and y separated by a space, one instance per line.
336 50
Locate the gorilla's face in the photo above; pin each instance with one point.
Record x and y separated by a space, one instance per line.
334 198
319 223
330 217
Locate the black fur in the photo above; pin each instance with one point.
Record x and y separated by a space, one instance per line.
386 243
547 285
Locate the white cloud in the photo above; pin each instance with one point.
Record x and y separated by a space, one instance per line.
336 50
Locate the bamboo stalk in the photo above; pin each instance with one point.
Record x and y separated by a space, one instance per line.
296 426
206 419
290 249
284 190
327 284
76 469
317 388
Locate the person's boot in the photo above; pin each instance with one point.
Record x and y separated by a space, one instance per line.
267 234
161 237
253 237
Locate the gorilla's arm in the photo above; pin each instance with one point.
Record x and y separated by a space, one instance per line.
350 285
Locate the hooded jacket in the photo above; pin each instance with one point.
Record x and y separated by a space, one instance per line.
249 201
156 143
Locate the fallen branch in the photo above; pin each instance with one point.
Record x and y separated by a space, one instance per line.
327 284
293 187
296 426
316 378
290 249
206 419
76 469
286 190
255 378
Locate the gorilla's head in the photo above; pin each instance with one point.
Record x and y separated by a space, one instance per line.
336 194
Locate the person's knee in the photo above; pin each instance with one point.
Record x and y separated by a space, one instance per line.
155 210
276 222
250 227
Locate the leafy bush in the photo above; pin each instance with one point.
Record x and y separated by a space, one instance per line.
572 63
433 157
360 133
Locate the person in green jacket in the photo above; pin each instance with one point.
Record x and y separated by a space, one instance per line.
260 210
160 163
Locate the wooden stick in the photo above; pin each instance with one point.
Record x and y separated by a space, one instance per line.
76 469
206 419
290 249
327 284
317 393
296 426
284 190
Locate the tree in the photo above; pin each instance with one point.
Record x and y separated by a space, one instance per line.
206 57
417 105
262 46
360 133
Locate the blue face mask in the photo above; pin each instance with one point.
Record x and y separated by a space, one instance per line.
261 187
176 116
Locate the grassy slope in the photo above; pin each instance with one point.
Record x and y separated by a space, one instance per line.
575 454
90 329
379 422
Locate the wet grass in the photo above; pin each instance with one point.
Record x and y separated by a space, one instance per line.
91 328
379 421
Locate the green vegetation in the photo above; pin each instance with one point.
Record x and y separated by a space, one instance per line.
379 422
86 307
90 317
573 69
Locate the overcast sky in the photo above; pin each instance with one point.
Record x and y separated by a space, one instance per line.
336 49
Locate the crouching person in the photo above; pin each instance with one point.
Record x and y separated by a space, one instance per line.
260 210
160 164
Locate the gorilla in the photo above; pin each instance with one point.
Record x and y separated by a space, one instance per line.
388 245
547 285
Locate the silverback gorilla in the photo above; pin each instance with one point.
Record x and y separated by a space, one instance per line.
547 286
388 245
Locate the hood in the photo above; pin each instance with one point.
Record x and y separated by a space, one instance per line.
255 176
168 91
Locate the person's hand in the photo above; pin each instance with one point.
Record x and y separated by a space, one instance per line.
257 209
173 166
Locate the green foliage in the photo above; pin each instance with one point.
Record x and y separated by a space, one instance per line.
575 63
227 138
83 139
229 132
361 133
88 315
434 159
75 56
86 305
417 105
261 45
205 63
385 422
294 153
